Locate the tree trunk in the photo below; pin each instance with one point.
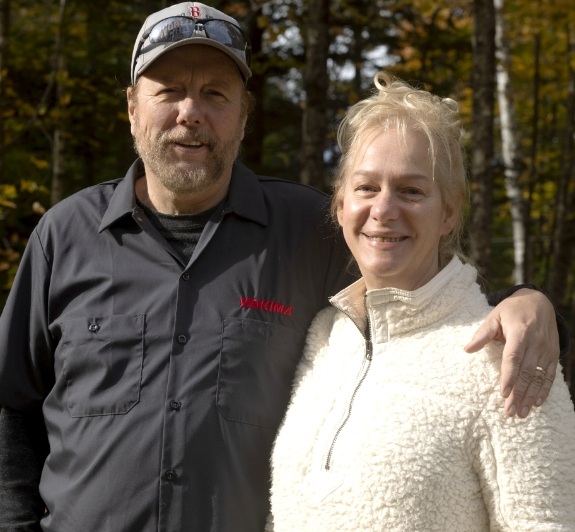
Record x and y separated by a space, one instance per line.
4 39
532 248
512 159
57 189
482 154
564 232
314 127
255 133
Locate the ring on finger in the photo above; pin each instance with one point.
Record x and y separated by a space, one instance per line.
540 370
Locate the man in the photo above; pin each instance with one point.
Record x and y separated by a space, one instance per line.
157 319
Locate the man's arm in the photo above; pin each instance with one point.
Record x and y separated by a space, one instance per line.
23 450
526 321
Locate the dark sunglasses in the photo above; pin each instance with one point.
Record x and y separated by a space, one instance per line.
175 29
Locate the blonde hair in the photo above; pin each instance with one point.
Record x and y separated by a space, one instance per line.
395 104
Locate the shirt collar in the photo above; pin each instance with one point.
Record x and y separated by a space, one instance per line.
123 200
245 197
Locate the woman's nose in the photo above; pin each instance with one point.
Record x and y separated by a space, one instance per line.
384 206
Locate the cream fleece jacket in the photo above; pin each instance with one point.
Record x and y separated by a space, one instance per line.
410 435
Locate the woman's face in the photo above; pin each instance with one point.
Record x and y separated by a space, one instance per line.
391 210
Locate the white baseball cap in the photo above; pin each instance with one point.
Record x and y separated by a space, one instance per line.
190 23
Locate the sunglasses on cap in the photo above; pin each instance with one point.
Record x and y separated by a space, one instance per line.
175 29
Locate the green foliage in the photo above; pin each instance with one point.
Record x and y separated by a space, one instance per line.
423 41
90 108
21 205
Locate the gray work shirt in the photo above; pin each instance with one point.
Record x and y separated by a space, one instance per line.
163 383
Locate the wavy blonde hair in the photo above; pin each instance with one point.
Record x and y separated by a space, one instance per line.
395 104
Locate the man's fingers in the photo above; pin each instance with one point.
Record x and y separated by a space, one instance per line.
526 323
532 387
516 403
512 386
487 331
547 383
532 391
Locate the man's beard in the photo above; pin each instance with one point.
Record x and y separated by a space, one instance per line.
158 161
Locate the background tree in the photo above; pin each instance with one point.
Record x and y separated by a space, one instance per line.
315 82
57 79
510 147
482 151
300 97
4 39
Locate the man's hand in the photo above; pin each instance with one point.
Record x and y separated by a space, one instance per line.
526 322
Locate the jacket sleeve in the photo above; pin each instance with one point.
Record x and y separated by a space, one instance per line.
527 466
26 375
23 449
26 343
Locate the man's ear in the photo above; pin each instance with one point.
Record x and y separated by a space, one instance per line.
131 98
245 119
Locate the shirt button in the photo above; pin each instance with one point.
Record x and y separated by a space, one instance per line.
186 276
182 339
175 405
170 475
93 327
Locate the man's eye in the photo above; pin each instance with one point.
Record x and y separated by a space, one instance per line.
216 94
364 188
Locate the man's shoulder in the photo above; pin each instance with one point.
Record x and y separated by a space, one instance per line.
281 188
294 186
94 195
270 199
87 206
294 199
291 189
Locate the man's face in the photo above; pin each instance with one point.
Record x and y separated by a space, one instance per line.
187 118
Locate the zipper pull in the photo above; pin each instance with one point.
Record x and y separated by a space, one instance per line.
368 336
368 349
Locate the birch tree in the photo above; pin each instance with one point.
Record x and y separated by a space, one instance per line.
510 150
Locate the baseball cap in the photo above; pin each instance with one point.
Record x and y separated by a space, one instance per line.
190 23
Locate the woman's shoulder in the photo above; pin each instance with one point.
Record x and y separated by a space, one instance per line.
330 329
445 368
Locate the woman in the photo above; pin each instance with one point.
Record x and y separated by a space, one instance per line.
392 426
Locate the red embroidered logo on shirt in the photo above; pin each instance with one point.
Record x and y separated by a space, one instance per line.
269 306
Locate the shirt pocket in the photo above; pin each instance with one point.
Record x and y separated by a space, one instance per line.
257 364
102 367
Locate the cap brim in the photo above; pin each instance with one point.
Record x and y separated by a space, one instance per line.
160 49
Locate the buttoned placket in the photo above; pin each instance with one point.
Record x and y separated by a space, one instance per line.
174 429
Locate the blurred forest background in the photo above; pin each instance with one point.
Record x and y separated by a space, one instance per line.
64 67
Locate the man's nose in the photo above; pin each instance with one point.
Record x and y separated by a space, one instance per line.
190 111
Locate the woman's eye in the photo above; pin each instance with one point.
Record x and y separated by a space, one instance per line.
413 191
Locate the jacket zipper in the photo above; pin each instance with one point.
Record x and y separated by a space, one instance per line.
368 356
